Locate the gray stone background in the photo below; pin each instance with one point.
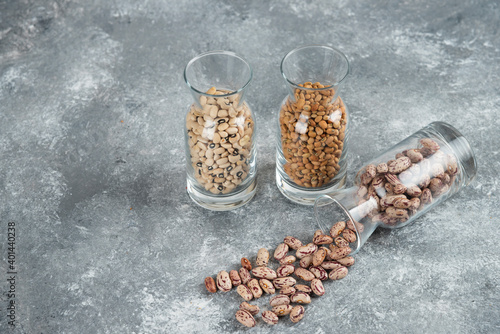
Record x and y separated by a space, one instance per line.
92 167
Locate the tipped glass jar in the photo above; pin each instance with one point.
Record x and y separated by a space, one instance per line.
311 151
401 184
219 132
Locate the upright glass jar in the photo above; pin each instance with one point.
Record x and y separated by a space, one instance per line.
311 150
219 132
401 184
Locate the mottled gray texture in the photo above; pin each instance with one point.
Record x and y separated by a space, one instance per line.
92 162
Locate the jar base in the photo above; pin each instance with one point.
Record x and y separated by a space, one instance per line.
222 203
305 197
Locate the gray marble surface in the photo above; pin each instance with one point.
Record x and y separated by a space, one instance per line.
92 167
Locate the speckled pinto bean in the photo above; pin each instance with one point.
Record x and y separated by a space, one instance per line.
235 278
312 134
303 288
252 309
306 261
304 274
337 229
322 239
306 250
346 261
244 292
319 272
282 282
292 242
245 318
269 317
220 132
300 298
254 286
245 275
285 270
288 260
282 310
338 273
297 313
287 291
281 251
279 300
319 256
340 253
329 265
349 235
341 242
223 281
317 287
262 257
267 286
264 272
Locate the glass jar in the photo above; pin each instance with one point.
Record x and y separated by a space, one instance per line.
401 184
219 132
311 150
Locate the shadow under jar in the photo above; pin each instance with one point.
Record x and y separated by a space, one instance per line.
311 151
219 132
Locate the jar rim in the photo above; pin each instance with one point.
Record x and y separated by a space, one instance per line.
218 52
315 46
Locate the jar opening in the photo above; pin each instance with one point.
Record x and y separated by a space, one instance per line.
223 70
315 63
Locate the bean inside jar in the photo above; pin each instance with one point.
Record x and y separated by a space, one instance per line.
312 134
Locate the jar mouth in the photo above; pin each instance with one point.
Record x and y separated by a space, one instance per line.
240 61
327 200
333 52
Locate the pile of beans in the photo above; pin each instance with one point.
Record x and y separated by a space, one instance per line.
326 257
312 134
403 186
220 141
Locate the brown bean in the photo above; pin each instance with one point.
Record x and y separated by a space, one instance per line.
210 284
245 263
